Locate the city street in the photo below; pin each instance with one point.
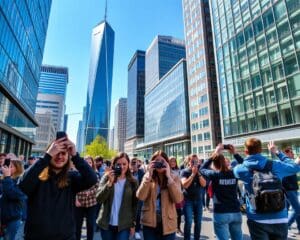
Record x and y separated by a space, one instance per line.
207 231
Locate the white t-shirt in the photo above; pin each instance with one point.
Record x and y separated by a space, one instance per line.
115 208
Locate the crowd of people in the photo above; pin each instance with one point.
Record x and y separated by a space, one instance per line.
126 197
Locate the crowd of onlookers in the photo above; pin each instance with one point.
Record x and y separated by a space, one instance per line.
126 197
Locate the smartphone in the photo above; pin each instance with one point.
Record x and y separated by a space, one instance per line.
159 165
7 162
60 135
226 146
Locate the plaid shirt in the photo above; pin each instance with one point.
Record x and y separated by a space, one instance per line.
87 198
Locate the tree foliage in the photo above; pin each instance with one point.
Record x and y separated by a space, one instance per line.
98 147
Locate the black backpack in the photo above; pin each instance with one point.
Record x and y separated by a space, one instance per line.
267 189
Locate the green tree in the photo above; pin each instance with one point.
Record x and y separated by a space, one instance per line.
98 147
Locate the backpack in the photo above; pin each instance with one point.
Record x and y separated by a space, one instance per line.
267 189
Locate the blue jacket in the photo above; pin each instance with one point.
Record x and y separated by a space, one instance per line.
281 169
13 201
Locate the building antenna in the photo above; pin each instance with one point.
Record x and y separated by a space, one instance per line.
105 13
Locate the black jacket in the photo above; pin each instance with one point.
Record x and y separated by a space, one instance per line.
50 213
12 201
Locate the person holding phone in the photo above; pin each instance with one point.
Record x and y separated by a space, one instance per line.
51 190
160 190
227 217
116 194
12 199
193 183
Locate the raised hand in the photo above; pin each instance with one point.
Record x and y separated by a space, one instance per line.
6 171
56 147
272 147
111 177
70 147
168 169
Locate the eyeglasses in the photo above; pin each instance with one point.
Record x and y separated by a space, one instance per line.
133 163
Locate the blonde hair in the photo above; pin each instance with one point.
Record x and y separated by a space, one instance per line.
19 168
62 180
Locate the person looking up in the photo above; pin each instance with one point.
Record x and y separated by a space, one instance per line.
51 190
160 190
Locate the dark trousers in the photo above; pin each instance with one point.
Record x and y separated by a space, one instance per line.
113 234
262 231
90 215
179 214
205 197
138 216
150 233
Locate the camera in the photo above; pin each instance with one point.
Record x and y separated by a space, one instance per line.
117 170
159 165
226 146
194 163
60 135
7 162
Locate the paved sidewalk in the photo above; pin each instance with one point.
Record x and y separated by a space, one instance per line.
207 231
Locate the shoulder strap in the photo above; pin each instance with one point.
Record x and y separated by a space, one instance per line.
267 167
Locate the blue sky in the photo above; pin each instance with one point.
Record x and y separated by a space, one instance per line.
135 22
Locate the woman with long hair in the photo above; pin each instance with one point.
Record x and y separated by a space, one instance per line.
86 206
51 190
12 199
176 171
227 217
160 190
116 194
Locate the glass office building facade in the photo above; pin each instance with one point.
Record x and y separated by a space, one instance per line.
100 82
167 115
257 46
135 102
54 80
135 96
120 124
202 80
23 27
163 53
52 93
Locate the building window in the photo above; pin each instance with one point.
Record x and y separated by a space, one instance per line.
294 85
200 149
206 136
207 148
200 138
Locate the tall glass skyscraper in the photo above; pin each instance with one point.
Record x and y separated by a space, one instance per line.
23 28
100 82
257 45
51 100
167 115
163 53
79 143
52 93
135 101
120 124
53 80
202 82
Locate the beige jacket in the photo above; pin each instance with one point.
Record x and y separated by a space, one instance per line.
147 192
